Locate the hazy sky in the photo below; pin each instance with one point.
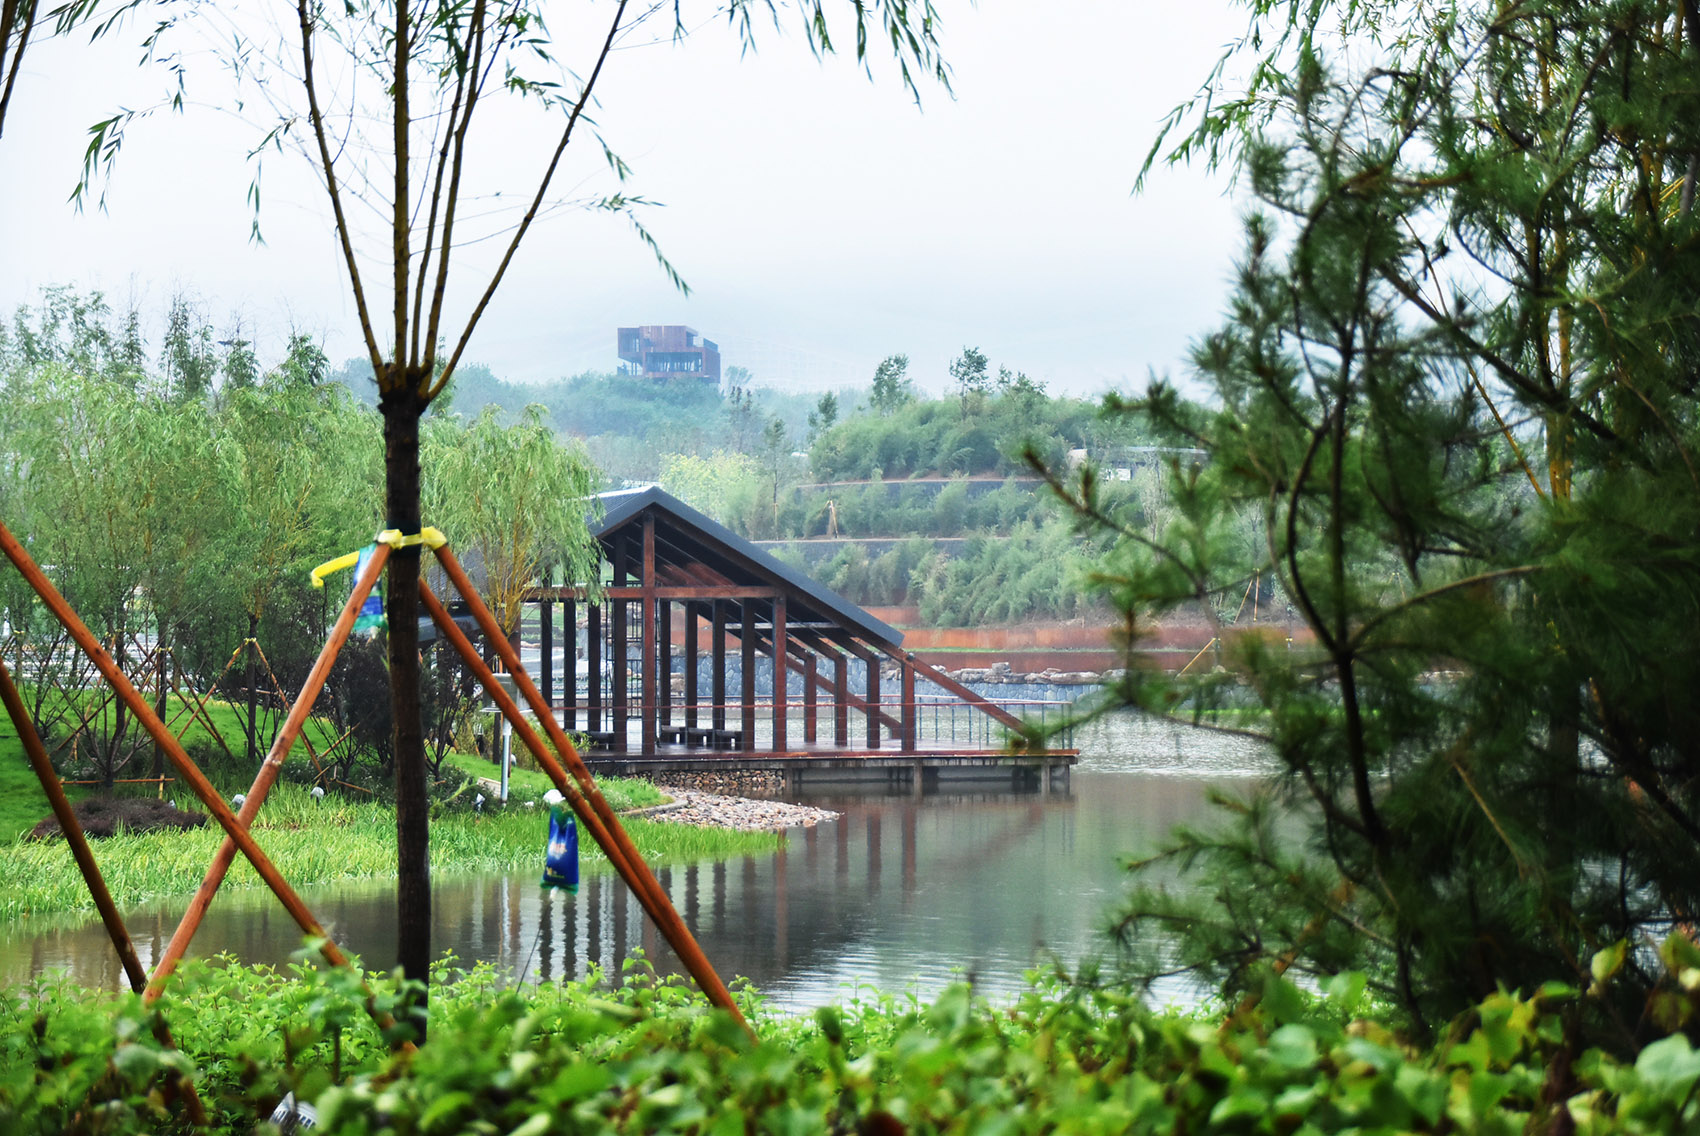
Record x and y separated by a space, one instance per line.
821 220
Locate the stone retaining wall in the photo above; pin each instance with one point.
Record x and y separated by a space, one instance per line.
732 782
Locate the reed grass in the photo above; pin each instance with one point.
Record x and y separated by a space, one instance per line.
318 842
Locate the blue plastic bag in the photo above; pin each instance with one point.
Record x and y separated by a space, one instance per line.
560 858
371 619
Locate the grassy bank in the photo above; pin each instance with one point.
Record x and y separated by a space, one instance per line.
530 785
330 840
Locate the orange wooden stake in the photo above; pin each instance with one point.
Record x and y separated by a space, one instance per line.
72 828
267 776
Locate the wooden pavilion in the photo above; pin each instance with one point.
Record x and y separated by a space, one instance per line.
661 673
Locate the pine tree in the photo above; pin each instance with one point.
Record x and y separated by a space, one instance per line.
1468 258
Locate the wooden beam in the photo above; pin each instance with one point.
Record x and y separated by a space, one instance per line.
794 662
934 675
664 591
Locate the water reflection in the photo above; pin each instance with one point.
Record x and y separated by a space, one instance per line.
900 891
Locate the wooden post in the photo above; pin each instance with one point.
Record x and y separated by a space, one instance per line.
691 694
546 649
810 708
908 711
872 664
621 678
648 614
841 700
747 656
664 664
593 667
781 678
569 657
717 660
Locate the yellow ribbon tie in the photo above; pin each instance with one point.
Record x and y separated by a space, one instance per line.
429 537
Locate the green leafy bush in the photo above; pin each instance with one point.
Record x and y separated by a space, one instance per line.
648 1056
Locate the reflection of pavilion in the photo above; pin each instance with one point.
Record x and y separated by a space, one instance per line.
845 900
634 682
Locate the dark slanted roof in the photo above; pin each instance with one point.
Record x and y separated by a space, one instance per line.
693 550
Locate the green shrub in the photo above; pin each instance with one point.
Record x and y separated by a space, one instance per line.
648 1056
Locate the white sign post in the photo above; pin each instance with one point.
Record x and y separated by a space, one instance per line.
507 682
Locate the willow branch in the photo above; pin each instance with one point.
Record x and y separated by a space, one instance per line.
536 201
461 86
457 164
8 21
317 119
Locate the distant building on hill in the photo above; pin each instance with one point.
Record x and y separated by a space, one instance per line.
668 351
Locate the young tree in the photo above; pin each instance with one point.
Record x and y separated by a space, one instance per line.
969 371
1470 254
892 387
187 358
774 445
740 409
823 416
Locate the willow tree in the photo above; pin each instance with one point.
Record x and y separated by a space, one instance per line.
299 461
1470 255
521 528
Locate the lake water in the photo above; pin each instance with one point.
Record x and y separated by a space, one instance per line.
900 892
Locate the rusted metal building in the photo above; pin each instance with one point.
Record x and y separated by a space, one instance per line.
703 652
667 351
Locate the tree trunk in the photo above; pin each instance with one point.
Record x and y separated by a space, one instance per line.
401 409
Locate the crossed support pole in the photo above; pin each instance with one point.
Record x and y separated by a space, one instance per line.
579 789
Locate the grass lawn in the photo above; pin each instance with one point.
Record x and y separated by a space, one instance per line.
315 842
22 803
